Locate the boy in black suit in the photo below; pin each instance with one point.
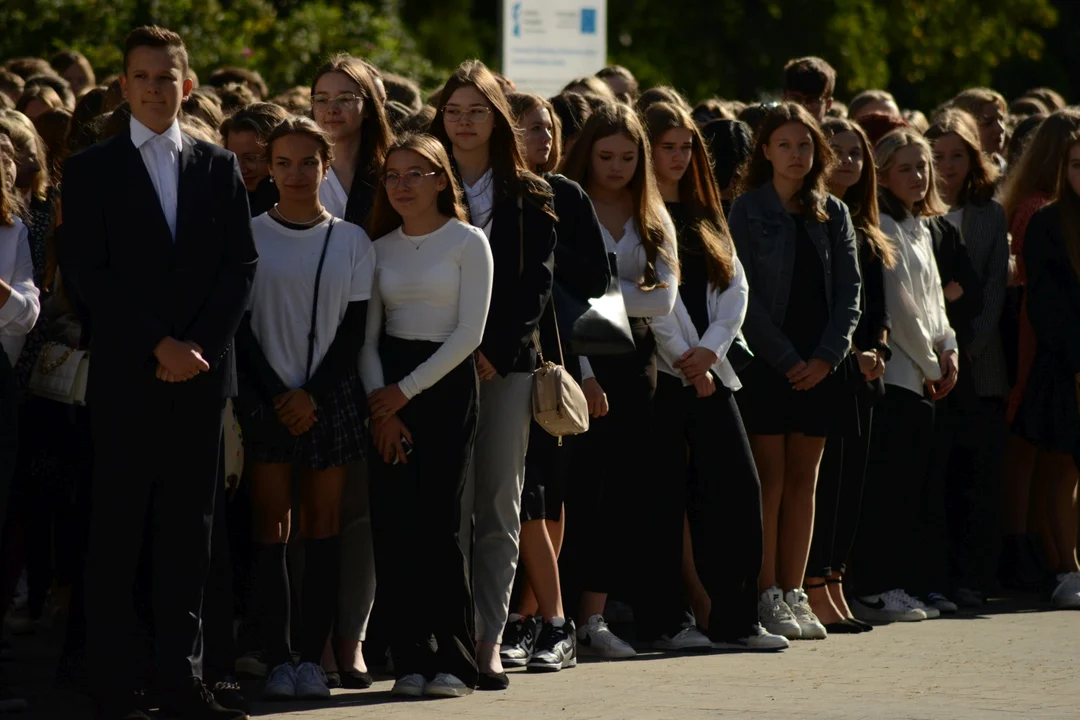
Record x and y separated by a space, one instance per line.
161 252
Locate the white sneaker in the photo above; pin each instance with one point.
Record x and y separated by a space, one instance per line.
446 685
776 616
311 683
809 625
1067 594
932 613
281 683
759 640
595 638
688 638
411 686
891 606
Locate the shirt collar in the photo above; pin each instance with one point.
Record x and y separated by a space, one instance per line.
140 134
481 185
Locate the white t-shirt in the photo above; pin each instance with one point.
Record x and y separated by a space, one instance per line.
332 195
284 290
435 287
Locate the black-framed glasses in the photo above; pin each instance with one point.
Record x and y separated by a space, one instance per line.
475 115
322 100
411 178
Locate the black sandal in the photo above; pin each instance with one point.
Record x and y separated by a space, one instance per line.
863 627
843 627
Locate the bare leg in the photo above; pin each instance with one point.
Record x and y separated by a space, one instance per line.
700 602
1062 511
836 594
821 601
541 562
797 508
769 457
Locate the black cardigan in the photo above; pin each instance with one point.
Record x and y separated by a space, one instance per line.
953 263
1053 291
581 262
521 287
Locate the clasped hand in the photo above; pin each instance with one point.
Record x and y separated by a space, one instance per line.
179 361
807 375
296 411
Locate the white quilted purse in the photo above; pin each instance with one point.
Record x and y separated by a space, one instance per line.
60 374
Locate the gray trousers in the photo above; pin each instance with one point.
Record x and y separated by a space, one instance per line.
491 503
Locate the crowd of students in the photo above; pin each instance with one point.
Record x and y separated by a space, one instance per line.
830 355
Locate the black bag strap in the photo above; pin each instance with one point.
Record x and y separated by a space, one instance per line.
315 302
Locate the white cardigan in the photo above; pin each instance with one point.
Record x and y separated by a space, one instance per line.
675 333
20 312
920 331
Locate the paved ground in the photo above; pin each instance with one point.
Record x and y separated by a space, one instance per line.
1013 660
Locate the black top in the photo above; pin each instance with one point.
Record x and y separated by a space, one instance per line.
264 197
875 314
361 200
953 263
807 313
1053 293
693 274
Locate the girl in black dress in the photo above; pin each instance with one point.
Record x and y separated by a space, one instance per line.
798 246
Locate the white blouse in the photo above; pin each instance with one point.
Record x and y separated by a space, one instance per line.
676 333
434 287
481 198
630 257
920 328
332 195
20 312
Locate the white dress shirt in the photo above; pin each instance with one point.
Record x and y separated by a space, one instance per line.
20 312
481 198
161 155
332 195
920 328
675 333
434 287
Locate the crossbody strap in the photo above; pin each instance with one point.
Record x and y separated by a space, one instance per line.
315 302
521 272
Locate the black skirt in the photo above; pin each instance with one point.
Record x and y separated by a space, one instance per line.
1048 416
337 438
769 405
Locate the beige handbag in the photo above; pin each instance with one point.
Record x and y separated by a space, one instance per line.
60 374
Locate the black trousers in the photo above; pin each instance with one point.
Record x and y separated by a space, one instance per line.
890 551
158 449
839 493
972 494
423 579
722 497
218 605
628 533
9 435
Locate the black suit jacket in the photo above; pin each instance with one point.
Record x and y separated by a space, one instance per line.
140 285
522 285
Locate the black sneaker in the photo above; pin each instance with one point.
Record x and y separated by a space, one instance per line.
555 649
519 639
227 693
196 702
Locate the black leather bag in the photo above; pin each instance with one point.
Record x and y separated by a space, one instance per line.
598 326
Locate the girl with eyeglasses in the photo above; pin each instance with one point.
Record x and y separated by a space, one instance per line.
427 316
345 103
513 206
538 634
299 401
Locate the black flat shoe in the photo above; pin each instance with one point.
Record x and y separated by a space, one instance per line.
333 680
356 679
865 627
843 628
492 681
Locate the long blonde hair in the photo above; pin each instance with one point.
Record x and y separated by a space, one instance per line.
1069 202
24 135
1040 163
885 157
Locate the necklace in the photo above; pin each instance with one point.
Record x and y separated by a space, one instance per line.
318 216
412 240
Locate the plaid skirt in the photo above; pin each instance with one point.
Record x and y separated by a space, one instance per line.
337 438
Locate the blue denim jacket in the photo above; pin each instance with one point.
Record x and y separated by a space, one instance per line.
765 235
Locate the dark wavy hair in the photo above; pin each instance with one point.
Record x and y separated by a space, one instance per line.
815 189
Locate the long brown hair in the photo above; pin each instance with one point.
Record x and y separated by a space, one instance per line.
375 133
862 197
1069 202
521 104
698 193
885 157
615 119
1041 162
815 189
982 177
384 218
7 203
511 177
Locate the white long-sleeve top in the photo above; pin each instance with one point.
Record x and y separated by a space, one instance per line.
630 257
20 312
920 328
435 287
675 333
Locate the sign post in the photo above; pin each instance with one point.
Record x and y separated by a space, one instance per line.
548 43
